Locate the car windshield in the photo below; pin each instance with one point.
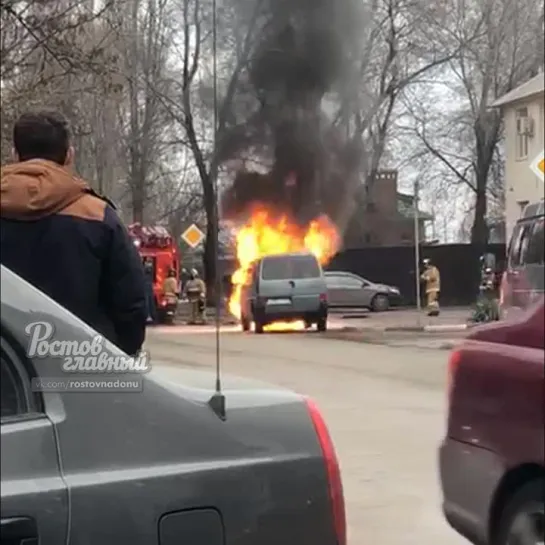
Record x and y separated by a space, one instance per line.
290 267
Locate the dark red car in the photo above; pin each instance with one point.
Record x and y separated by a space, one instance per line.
492 460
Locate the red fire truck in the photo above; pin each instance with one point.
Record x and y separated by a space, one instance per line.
155 244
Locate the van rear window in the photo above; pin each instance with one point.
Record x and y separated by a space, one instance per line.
290 267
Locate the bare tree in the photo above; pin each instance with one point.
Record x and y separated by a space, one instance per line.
143 36
191 104
49 60
500 51
404 43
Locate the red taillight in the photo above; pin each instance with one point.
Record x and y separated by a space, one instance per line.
336 495
323 297
453 363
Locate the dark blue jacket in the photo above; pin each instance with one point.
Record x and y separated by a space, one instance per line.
57 234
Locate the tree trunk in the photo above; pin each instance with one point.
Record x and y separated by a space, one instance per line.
479 230
137 206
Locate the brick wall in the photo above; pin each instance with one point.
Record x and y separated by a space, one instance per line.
377 222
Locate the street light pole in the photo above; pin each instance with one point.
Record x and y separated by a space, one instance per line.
417 251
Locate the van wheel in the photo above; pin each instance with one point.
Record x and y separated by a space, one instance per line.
522 519
245 323
258 327
322 324
380 303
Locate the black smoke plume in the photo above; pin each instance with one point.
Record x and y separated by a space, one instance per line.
302 57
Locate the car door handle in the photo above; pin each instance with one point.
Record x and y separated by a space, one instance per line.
292 283
19 531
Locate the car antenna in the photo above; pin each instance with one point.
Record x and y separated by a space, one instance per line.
217 401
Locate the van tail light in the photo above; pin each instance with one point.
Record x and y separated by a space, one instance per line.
334 480
323 297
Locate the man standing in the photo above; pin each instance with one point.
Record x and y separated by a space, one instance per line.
432 280
60 236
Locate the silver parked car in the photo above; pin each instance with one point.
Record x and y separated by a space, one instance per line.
348 290
160 464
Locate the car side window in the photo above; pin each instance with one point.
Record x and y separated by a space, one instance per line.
351 283
535 250
15 389
513 246
521 245
11 391
333 281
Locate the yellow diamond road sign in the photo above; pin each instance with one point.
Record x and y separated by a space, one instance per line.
193 236
538 166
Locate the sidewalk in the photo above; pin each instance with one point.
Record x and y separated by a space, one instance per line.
450 319
403 328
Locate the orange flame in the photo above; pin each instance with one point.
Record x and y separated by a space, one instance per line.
266 233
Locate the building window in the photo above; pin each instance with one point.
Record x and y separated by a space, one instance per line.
522 125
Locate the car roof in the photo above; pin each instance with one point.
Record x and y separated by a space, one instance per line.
533 210
288 255
343 273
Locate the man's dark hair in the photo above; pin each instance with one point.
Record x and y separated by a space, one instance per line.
42 135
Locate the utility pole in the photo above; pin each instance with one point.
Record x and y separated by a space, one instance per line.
417 252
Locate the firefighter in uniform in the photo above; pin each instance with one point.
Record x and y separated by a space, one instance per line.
170 287
432 280
487 308
195 291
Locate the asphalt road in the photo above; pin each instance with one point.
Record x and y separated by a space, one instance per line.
385 408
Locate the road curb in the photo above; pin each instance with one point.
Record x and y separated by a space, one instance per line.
440 328
446 328
385 341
